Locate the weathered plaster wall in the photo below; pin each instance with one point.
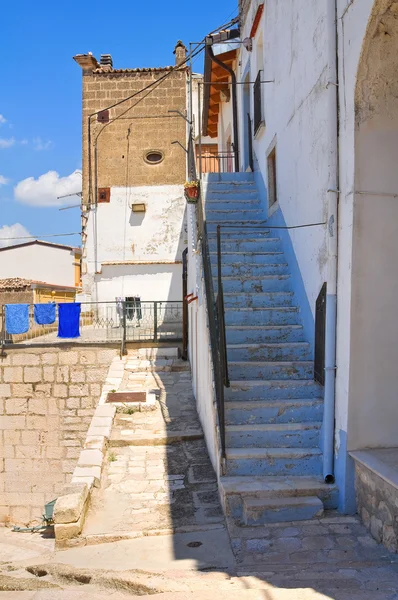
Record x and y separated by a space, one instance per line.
126 243
47 400
372 416
291 46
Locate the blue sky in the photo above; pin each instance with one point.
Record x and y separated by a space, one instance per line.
40 91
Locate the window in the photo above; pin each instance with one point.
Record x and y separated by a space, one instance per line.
154 157
272 183
258 112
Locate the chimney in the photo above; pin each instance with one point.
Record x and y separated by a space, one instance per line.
87 62
106 62
181 53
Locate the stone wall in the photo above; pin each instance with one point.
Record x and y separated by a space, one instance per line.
47 400
376 500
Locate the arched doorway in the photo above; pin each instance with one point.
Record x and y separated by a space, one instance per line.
373 391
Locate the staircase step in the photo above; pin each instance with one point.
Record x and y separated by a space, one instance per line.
280 315
250 284
281 435
271 370
250 225
259 412
244 234
229 214
229 178
241 334
235 490
258 300
244 270
262 244
260 511
290 351
272 390
274 461
240 258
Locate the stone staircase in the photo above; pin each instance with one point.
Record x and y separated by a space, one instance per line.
274 409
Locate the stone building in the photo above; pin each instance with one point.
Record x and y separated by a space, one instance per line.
314 134
134 135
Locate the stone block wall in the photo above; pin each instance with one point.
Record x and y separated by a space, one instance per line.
47 400
377 506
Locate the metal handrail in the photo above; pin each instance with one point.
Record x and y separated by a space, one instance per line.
215 311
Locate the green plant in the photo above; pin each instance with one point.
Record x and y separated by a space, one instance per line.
112 457
191 184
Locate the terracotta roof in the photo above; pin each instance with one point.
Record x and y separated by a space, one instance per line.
15 284
107 71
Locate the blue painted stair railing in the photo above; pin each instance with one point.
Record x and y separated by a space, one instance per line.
274 408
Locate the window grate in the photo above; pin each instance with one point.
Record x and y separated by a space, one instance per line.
258 112
320 331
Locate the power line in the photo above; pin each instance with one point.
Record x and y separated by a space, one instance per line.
35 237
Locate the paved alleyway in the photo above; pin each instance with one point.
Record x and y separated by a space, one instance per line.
156 526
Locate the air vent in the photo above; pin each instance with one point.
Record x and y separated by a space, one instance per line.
104 194
154 157
103 116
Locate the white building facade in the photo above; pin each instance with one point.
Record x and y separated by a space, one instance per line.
324 142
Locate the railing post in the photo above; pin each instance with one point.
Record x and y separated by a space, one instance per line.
184 304
155 321
124 325
3 331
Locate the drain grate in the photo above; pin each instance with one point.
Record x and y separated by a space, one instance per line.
126 397
194 544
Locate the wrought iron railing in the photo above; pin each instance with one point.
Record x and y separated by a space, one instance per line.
215 311
106 322
220 162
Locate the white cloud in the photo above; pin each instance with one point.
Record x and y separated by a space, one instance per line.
13 231
45 190
2 120
3 180
40 144
7 142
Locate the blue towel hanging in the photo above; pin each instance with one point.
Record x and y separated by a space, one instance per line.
45 314
17 318
69 320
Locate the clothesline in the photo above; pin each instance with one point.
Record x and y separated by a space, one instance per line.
17 318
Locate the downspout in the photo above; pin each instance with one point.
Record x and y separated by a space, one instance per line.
333 198
210 53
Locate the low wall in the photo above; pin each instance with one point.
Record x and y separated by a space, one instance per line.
47 401
377 498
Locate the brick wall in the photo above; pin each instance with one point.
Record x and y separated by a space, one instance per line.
47 399
123 142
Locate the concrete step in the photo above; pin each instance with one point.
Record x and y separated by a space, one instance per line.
236 215
274 461
249 225
261 511
235 490
253 269
272 390
242 334
230 178
238 258
290 351
244 234
250 284
155 353
259 412
261 244
271 370
280 315
238 200
258 300
281 435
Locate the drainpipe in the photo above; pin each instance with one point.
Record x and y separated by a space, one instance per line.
333 198
215 59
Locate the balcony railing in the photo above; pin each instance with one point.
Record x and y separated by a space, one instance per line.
222 162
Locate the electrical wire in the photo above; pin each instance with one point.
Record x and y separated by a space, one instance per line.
36 237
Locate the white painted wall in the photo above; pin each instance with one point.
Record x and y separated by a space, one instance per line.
117 235
39 263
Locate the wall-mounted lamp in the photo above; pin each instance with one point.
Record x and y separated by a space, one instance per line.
138 208
181 115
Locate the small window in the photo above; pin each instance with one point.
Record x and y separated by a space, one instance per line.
272 183
154 157
257 100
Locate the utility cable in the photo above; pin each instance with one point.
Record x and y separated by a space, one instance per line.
35 237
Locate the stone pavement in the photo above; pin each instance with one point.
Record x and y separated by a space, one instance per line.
158 475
